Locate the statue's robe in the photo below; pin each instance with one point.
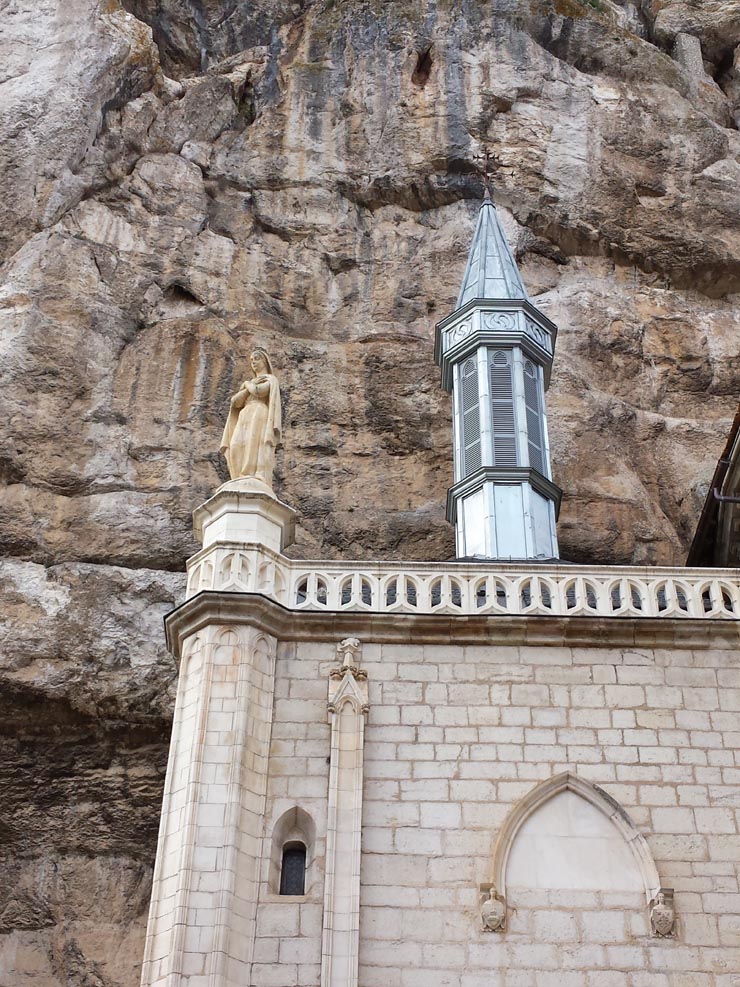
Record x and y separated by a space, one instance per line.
253 430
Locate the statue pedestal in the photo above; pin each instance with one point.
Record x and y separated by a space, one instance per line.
247 511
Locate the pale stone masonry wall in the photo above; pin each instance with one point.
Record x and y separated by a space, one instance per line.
288 946
456 736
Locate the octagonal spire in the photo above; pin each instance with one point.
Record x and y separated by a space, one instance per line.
491 271
495 350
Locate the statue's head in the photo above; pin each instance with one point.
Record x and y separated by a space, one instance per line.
260 362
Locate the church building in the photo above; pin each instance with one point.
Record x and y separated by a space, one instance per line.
499 771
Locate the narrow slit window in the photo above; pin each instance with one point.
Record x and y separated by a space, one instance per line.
293 869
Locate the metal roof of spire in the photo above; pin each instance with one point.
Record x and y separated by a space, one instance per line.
491 271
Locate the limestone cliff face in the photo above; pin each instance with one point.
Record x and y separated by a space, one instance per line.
181 180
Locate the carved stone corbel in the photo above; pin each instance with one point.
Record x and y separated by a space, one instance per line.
348 653
492 909
663 914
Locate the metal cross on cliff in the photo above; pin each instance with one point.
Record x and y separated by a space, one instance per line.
487 163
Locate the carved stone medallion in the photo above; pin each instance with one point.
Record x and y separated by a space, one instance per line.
663 914
493 912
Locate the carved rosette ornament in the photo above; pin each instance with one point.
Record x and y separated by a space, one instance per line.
492 909
663 914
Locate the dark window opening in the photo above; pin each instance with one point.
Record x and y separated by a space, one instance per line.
293 870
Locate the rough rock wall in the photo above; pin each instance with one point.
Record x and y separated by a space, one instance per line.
180 180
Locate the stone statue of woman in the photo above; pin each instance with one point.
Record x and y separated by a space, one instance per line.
254 426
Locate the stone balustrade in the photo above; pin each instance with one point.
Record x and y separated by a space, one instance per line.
465 588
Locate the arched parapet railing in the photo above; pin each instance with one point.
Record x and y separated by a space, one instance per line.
719 598
671 598
582 595
535 594
311 591
234 572
446 594
485 590
200 577
628 597
494 594
194 579
597 797
358 591
271 581
411 593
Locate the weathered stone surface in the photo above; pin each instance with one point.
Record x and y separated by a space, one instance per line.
178 185
85 704
716 22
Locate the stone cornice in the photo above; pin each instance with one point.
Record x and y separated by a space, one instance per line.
213 607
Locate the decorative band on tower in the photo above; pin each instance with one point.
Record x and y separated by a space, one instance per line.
496 351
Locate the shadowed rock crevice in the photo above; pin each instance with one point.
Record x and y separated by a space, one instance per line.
192 35
423 68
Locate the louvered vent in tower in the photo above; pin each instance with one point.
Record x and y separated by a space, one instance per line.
470 416
533 404
502 409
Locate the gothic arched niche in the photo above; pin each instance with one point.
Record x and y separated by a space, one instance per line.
567 843
570 835
227 647
294 827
